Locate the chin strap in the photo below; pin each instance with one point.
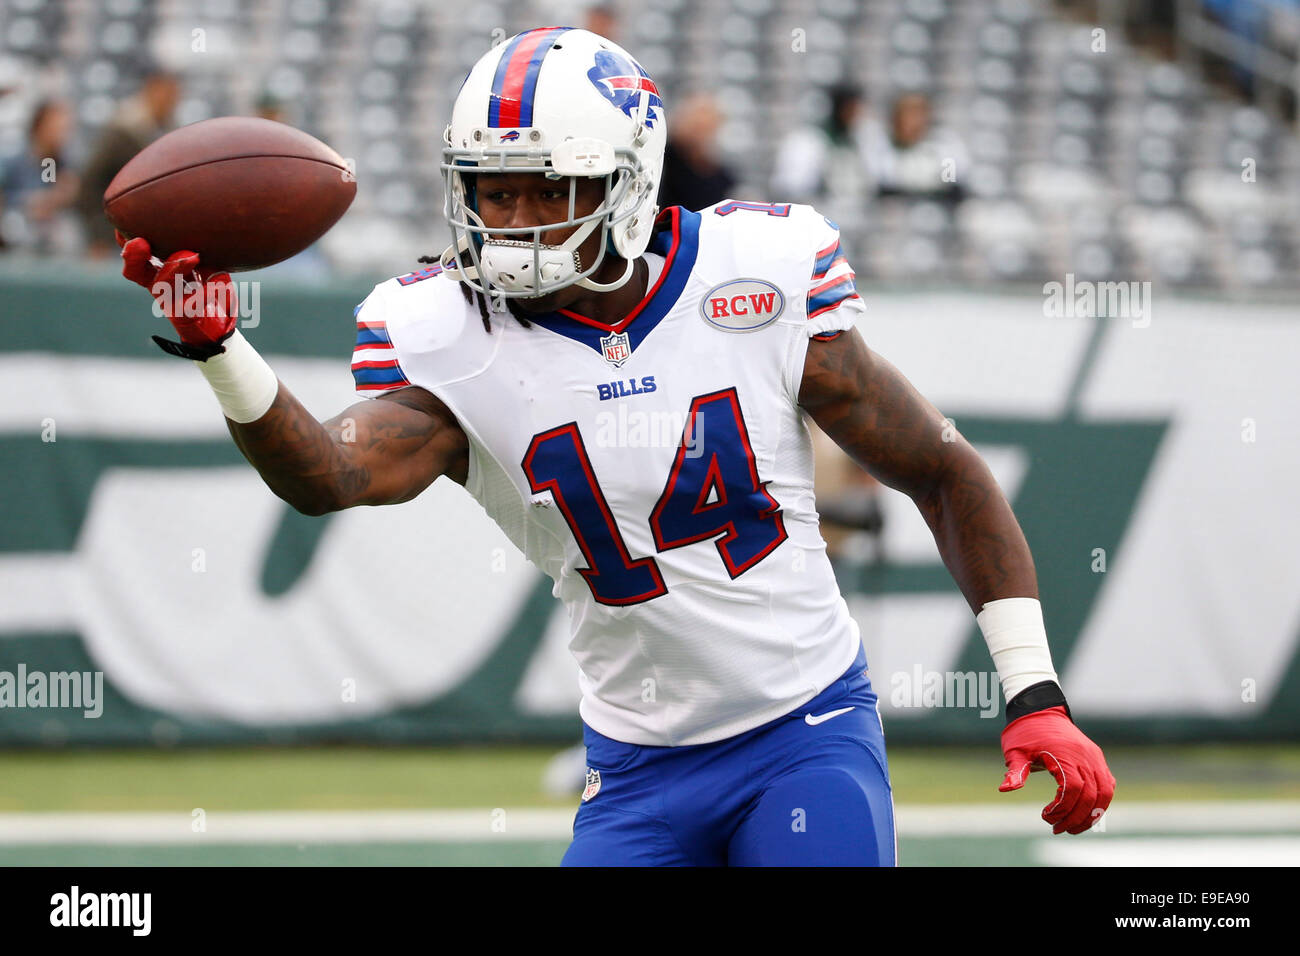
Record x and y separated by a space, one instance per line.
450 261
610 286
453 257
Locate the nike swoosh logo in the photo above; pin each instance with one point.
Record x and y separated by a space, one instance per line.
812 721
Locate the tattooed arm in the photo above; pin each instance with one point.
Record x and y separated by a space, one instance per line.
375 453
887 427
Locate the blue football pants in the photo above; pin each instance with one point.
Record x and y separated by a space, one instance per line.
789 793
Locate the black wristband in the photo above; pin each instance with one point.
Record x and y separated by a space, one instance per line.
199 353
1037 697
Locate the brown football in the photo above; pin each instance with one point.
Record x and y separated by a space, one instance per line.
241 191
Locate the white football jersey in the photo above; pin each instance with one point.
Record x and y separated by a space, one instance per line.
659 470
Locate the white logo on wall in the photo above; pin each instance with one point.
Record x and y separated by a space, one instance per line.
132 542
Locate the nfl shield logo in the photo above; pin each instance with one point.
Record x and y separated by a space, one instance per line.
616 348
593 784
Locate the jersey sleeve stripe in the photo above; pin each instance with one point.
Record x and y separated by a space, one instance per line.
827 254
838 260
369 386
831 294
831 285
372 337
826 259
833 305
378 374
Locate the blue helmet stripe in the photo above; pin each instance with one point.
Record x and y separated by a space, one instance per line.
515 80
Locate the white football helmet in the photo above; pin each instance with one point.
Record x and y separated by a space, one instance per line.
566 103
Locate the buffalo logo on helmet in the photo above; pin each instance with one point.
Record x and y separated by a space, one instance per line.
622 82
510 137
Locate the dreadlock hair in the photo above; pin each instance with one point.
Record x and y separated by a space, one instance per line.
473 295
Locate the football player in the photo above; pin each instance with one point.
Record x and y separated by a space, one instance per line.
728 713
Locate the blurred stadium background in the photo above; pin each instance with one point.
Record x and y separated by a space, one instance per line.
392 685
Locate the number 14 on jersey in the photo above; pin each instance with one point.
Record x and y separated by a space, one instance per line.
712 489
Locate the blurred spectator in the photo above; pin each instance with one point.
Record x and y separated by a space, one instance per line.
602 20
272 108
827 164
37 189
11 74
816 161
848 503
138 122
1249 22
916 159
693 175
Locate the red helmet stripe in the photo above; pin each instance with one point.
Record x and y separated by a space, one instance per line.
516 77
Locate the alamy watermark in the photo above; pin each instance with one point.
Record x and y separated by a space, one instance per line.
78 908
934 689
193 300
649 429
1087 299
78 690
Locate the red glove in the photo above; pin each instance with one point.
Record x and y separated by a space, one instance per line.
202 310
1049 740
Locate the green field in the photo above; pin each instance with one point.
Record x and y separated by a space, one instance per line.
369 778
421 806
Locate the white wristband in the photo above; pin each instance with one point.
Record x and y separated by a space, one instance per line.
244 384
1013 629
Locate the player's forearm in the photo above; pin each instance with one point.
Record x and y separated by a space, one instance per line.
977 534
298 457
